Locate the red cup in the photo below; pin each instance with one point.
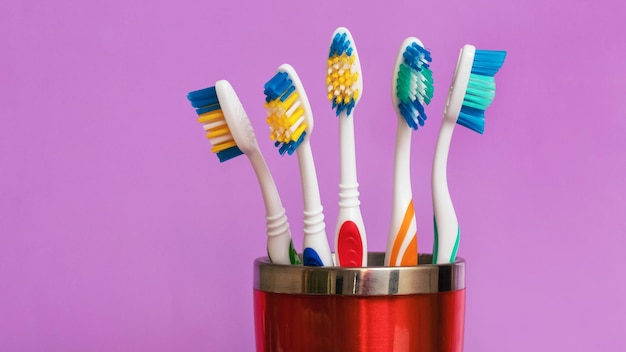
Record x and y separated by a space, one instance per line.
375 308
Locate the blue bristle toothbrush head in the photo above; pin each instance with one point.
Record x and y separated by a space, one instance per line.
343 79
207 106
413 82
288 110
481 88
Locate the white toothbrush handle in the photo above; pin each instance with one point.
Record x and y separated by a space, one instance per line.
316 250
402 241
350 237
447 233
279 242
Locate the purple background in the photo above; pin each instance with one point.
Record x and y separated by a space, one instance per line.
120 231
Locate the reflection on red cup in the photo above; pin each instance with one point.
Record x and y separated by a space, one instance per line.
377 308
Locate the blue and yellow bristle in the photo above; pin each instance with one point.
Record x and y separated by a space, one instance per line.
341 78
285 113
481 88
414 85
210 115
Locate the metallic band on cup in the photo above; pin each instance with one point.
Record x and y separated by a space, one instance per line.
373 280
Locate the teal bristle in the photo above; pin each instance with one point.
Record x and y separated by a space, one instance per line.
414 85
204 101
481 88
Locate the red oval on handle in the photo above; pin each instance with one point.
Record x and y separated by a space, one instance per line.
349 246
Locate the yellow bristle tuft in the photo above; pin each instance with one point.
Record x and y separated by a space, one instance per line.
211 115
218 132
289 101
290 121
298 132
223 146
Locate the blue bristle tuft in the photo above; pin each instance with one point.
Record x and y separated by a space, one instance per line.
203 97
411 112
472 118
340 45
204 100
339 108
290 147
414 53
488 62
229 153
277 86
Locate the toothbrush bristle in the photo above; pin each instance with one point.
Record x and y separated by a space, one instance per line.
285 113
414 85
341 78
210 115
481 89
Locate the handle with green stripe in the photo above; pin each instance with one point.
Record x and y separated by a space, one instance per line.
447 232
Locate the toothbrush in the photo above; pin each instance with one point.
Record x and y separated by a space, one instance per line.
291 123
231 134
412 88
344 86
471 92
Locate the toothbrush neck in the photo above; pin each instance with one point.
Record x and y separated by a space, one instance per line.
347 151
313 212
348 187
308 176
442 149
402 160
271 198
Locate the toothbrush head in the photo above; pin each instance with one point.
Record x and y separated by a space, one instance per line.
225 120
473 86
343 78
412 84
288 111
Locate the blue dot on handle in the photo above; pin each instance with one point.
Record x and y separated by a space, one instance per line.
311 258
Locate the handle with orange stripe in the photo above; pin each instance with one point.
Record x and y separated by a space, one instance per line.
402 241
411 90
403 251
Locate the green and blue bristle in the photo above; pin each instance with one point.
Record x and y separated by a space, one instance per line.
481 89
285 113
414 85
210 114
340 79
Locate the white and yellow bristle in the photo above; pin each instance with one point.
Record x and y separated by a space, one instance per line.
211 116
286 113
343 76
